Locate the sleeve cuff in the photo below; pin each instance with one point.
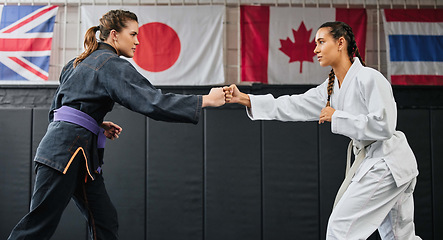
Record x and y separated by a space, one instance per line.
334 121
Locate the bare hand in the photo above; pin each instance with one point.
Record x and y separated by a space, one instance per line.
326 115
112 130
233 95
215 98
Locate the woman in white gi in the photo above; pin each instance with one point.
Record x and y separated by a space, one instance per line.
360 105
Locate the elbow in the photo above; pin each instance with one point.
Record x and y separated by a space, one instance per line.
387 133
377 127
386 124
386 130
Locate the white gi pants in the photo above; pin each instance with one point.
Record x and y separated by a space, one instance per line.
374 202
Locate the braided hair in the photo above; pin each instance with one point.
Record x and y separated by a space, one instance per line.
341 29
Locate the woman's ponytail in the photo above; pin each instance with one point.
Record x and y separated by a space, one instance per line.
90 44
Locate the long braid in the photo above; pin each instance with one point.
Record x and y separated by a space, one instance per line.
341 29
330 87
357 54
352 45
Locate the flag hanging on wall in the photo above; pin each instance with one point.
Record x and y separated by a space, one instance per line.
414 46
25 42
277 43
179 45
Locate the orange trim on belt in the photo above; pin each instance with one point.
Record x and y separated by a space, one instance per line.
72 158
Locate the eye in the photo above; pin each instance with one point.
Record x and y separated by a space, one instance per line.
319 42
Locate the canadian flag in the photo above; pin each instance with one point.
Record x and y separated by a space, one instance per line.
179 45
277 43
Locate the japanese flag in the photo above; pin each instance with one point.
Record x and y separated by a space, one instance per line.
277 43
179 45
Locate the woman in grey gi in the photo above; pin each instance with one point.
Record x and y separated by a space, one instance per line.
69 156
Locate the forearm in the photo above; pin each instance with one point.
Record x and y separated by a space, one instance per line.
244 100
363 127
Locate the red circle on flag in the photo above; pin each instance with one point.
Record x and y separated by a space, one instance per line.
159 47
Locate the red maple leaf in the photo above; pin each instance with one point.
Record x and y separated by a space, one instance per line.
301 49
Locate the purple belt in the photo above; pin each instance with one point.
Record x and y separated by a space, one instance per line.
72 115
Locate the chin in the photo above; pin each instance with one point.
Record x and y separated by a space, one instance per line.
128 55
323 64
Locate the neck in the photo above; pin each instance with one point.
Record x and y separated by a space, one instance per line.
105 45
113 46
341 69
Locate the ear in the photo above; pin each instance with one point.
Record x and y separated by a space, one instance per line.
341 43
113 34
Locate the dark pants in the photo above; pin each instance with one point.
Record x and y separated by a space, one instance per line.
52 193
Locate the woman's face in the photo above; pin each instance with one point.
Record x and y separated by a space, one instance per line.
327 48
126 41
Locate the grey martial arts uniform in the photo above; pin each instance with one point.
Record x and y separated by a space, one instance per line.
68 154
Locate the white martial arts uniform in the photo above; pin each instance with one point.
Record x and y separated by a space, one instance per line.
380 194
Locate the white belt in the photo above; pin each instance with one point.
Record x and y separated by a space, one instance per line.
350 171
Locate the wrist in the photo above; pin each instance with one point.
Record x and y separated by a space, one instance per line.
245 100
206 101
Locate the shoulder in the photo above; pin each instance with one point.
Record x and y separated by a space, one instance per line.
371 81
368 75
119 65
116 67
372 72
102 57
68 65
99 58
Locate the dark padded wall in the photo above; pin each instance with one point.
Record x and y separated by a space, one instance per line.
232 176
175 180
15 167
290 180
436 172
225 178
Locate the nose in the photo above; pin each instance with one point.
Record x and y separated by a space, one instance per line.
316 50
136 41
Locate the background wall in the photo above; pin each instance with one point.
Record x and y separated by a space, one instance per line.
225 178
68 38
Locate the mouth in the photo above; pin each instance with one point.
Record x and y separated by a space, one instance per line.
319 58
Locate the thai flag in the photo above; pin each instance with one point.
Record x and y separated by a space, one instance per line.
414 44
25 42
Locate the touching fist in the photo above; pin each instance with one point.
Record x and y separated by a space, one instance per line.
215 98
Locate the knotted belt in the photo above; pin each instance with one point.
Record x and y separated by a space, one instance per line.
72 115
360 154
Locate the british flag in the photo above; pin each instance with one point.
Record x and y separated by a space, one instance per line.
25 42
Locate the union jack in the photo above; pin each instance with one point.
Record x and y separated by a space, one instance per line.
25 41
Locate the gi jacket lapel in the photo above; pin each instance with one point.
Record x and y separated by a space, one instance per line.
347 82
